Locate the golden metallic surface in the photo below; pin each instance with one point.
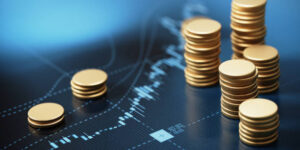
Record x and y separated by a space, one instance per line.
80 88
273 89
203 26
45 112
90 92
36 124
90 78
265 138
228 115
229 105
258 108
253 143
260 53
196 84
260 126
238 68
92 95
256 130
249 3
198 48
249 94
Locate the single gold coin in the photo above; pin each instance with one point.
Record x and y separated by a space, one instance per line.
36 124
201 49
209 64
238 89
258 108
249 4
204 56
237 100
80 88
259 121
238 68
267 130
198 76
92 95
239 82
236 10
260 53
229 105
187 21
90 77
203 26
45 112
248 95
246 30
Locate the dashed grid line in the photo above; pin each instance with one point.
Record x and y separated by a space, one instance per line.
141 144
204 118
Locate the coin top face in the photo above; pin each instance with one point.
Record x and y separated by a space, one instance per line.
237 68
250 3
45 112
258 108
203 26
90 77
260 53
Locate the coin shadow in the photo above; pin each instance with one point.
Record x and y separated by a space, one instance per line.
46 131
91 105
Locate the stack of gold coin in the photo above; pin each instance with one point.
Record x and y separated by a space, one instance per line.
248 25
45 115
238 83
202 49
266 59
89 84
259 122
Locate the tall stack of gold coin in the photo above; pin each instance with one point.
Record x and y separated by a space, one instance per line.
248 24
45 115
89 84
259 122
266 59
238 83
202 51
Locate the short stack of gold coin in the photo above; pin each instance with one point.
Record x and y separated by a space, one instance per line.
248 24
202 51
89 84
238 83
45 115
259 122
266 59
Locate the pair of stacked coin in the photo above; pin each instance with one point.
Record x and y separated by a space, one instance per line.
259 122
89 84
266 59
248 24
238 83
45 115
202 49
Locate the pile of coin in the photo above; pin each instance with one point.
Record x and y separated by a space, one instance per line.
202 49
259 122
266 59
248 24
89 84
238 83
45 115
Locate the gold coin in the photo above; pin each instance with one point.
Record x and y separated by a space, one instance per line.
201 49
238 89
209 64
254 130
258 108
238 39
36 124
271 75
203 26
90 77
250 37
201 80
260 53
245 45
251 94
236 69
273 89
203 44
229 115
202 39
77 87
250 5
237 100
45 112
231 106
255 134
248 142
239 82
200 61
203 56
92 95
261 126
258 139
247 23
229 109
237 11
185 22
247 17
196 84
198 76
91 92
259 121
246 30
